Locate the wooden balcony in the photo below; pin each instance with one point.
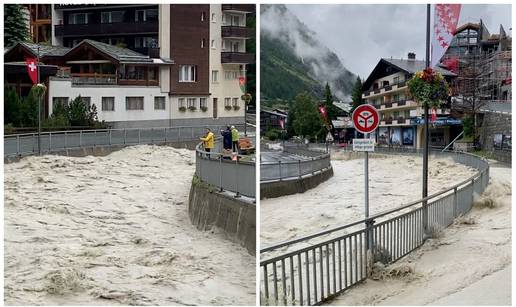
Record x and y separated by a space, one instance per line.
237 58
246 8
237 32
93 79
106 29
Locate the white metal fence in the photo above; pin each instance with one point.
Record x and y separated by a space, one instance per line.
314 268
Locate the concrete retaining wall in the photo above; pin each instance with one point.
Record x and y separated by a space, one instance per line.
101 150
235 217
294 186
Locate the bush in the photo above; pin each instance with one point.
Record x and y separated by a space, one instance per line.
78 112
468 123
59 121
272 134
8 129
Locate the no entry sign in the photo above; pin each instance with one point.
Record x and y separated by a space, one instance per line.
365 118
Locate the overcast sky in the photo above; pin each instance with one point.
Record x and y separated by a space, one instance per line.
362 34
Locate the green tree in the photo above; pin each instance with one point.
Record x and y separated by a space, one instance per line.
331 109
12 106
15 28
78 112
356 94
307 121
29 110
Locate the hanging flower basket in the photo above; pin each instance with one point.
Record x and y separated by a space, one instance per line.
428 88
39 89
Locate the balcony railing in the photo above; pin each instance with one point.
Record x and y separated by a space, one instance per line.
93 78
237 57
235 31
385 88
248 8
106 28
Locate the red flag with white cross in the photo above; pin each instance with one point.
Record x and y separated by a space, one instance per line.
446 18
32 69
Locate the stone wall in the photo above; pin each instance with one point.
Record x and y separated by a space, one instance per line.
495 123
235 217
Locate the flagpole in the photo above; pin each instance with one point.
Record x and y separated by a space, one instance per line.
39 109
425 145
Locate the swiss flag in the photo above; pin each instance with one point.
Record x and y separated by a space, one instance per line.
322 110
282 123
32 69
446 18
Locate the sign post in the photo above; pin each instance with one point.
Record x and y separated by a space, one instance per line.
366 120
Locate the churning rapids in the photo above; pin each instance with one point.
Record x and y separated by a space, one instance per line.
115 230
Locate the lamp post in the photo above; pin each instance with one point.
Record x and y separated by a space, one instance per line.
425 129
39 108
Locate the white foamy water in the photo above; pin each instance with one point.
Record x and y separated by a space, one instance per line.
115 230
393 181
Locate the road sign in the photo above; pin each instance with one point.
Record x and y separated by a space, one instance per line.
363 145
365 118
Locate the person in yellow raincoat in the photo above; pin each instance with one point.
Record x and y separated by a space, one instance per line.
208 141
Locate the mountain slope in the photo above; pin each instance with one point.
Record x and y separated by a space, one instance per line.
293 60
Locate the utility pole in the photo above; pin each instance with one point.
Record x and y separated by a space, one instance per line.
39 108
426 132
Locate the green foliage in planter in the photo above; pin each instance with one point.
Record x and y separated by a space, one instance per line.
192 108
236 107
227 107
182 109
204 108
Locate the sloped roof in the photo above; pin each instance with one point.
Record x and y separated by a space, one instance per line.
413 66
44 50
123 55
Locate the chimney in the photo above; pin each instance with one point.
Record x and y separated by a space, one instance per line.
411 56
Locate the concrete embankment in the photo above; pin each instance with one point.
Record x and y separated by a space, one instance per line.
234 216
295 185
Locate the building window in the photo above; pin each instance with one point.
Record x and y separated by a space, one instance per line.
407 113
213 17
231 74
235 102
108 103
78 19
112 17
146 15
203 16
191 102
134 103
396 98
214 76
213 44
181 102
59 101
153 73
159 103
144 42
203 103
227 102
130 72
187 73
396 80
202 42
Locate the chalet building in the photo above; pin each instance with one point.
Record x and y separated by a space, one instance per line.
191 77
401 119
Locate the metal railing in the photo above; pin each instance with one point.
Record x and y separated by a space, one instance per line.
312 160
27 143
312 269
224 173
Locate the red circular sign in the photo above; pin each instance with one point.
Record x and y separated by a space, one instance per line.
365 118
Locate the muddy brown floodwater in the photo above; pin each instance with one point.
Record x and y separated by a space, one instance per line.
115 230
